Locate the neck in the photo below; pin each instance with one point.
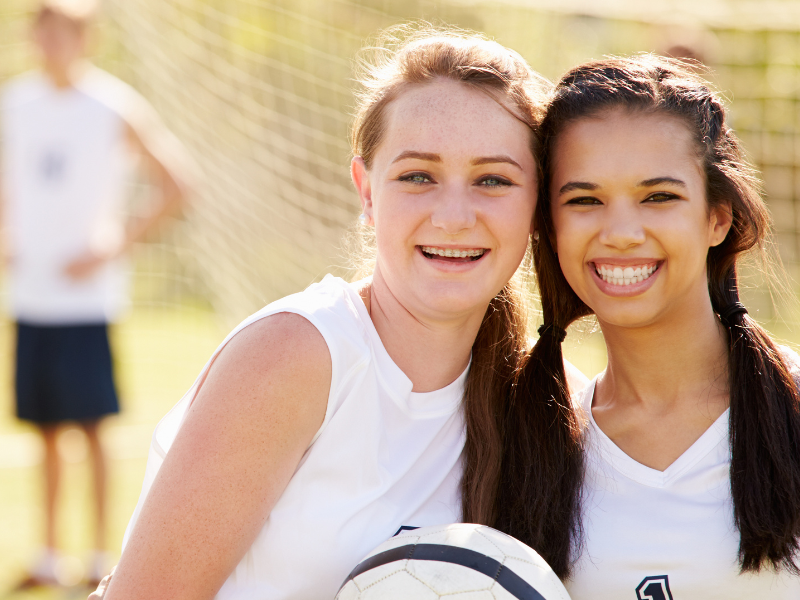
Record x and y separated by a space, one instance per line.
64 76
678 359
432 353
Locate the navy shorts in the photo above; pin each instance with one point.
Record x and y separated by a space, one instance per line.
64 373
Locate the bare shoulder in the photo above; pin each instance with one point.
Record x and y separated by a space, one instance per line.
240 443
280 354
292 334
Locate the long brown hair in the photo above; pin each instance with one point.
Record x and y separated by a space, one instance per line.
417 55
764 402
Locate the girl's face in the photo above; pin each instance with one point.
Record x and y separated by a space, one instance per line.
451 192
632 224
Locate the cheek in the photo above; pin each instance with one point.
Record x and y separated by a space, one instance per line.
572 237
512 227
395 222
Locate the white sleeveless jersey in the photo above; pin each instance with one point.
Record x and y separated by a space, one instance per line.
64 170
664 535
384 457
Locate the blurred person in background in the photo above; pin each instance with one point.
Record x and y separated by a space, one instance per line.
69 131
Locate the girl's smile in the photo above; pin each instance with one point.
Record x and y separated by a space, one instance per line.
624 277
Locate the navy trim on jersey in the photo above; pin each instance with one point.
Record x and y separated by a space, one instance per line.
404 528
513 583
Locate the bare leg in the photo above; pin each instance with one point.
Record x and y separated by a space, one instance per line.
92 429
52 476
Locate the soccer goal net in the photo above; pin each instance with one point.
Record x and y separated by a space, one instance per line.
261 94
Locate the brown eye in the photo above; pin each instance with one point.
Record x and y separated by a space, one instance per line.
660 197
584 201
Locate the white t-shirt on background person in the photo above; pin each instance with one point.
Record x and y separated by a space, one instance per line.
384 457
65 166
664 535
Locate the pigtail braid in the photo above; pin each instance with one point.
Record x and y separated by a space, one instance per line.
764 441
539 494
497 350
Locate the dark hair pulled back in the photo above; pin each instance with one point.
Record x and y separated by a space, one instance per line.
764 403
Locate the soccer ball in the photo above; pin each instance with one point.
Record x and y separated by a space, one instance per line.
458 562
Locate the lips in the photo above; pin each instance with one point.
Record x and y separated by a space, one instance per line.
456 254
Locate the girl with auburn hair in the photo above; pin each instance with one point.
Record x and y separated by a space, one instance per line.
692 475
334 417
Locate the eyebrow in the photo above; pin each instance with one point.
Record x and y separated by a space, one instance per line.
586 185
577 185
661 180
489 160
431 157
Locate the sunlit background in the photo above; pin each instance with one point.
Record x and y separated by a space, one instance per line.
260 93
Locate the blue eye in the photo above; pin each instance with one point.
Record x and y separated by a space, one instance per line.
417 178
493 181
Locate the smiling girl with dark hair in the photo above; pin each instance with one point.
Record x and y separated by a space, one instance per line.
691 486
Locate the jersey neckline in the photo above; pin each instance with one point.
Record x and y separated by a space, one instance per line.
424 405
620 461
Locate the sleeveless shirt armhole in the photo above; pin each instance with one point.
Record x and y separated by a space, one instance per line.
169 425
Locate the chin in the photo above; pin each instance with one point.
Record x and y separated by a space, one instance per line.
455 299
630 319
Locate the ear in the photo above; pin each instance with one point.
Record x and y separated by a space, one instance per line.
720 219
360 176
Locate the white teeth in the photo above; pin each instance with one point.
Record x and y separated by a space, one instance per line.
451 252
625 276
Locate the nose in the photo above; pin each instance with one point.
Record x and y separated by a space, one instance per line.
622 227
453 212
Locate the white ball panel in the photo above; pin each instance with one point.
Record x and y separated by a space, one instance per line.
447 578
501 593
372 576
399 586
484 595
510 546
465 536
540 576
348 592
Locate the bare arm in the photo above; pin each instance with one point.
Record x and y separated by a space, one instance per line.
244 435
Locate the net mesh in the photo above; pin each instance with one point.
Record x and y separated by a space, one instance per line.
260 92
